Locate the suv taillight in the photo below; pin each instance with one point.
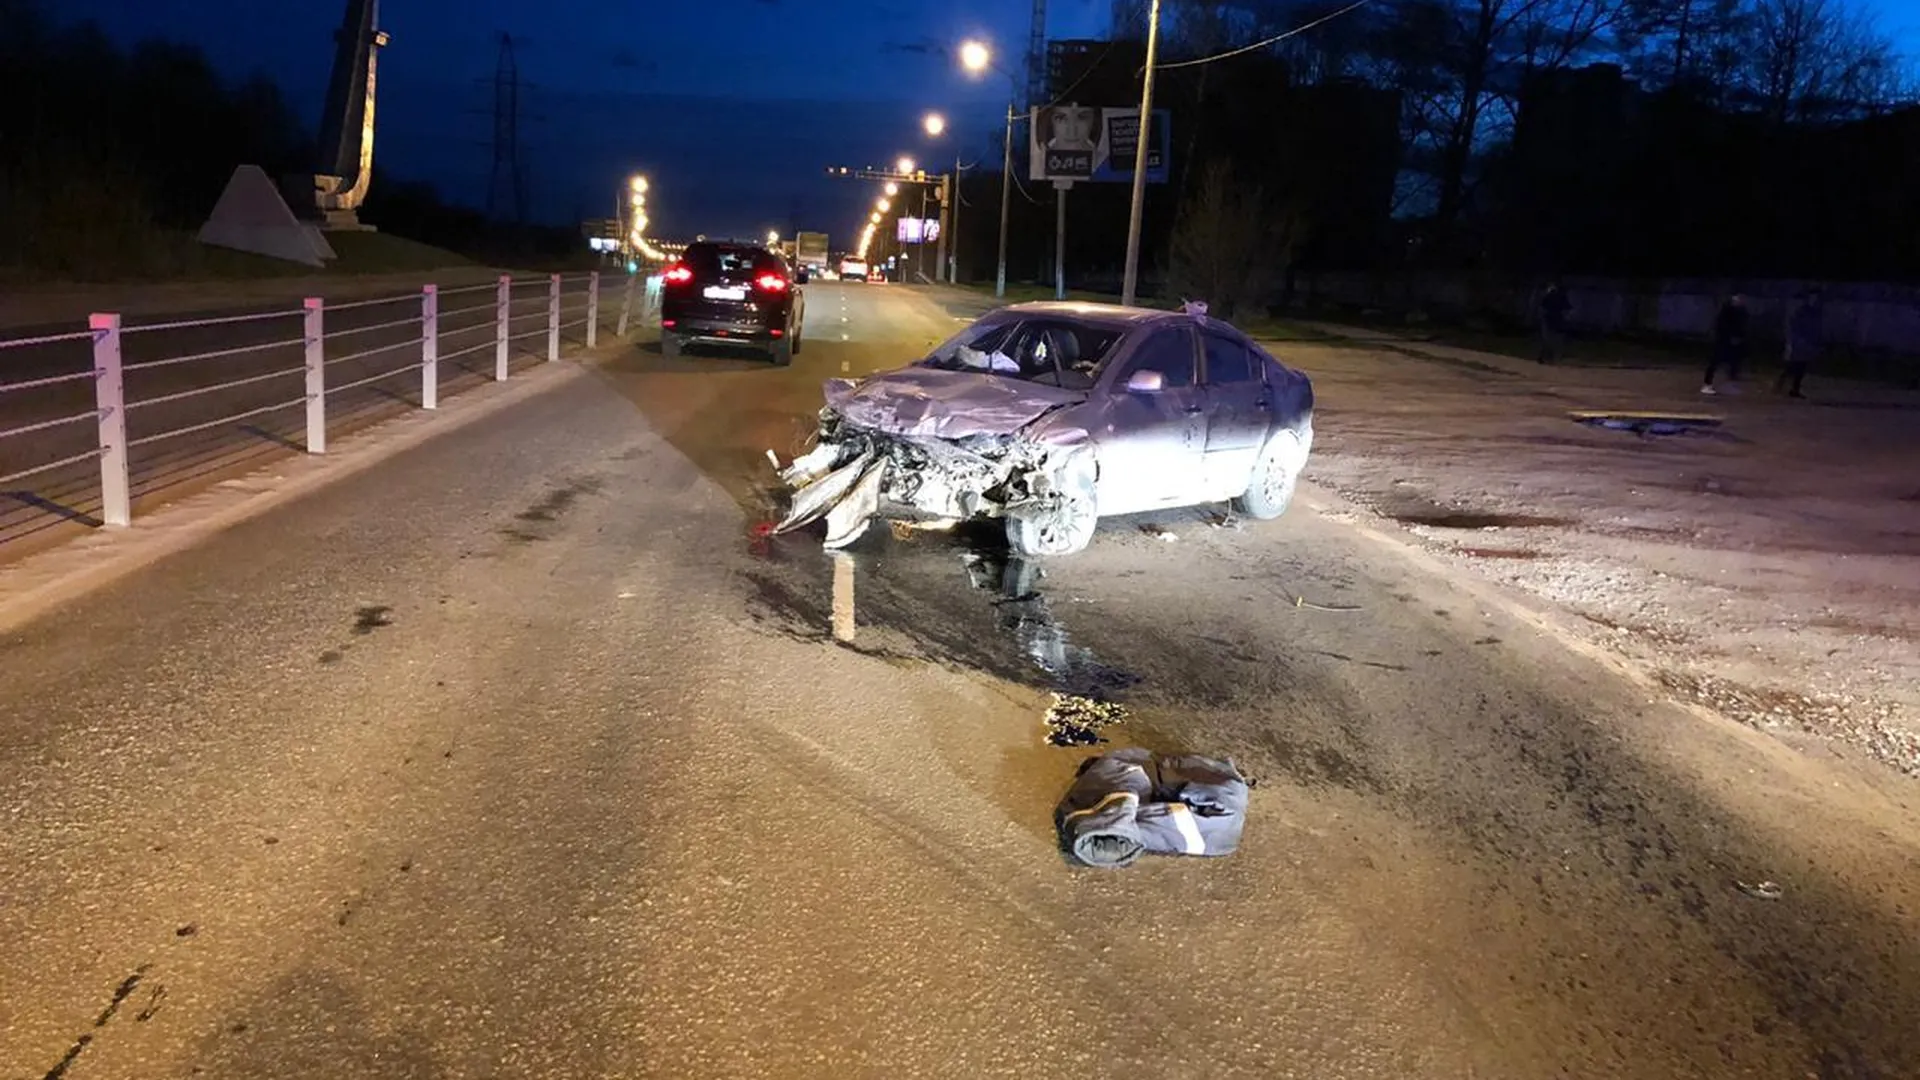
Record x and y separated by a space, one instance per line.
678 274
771 283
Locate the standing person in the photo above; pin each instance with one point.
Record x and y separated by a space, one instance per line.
1553 322
1806 333
1729 342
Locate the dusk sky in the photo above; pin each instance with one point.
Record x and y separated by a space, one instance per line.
732 107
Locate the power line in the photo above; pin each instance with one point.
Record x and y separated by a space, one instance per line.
1274 40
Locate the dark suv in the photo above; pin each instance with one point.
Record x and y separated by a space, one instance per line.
732 294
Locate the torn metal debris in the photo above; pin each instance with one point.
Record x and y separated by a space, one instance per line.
1131 802
1076 721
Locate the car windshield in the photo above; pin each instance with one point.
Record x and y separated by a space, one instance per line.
1048 349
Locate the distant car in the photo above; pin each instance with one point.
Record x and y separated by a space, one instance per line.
853 270
1051 416
732 294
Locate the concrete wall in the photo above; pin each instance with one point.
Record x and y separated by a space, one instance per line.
1874 317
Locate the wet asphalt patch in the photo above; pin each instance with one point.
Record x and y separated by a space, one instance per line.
533 522
957 600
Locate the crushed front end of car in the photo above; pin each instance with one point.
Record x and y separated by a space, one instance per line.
945 467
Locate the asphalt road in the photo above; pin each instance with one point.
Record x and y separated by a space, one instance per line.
524 755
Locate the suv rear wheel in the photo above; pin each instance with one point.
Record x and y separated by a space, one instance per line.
670 345
781 352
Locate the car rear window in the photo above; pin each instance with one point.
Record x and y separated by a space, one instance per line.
715 260
1229 361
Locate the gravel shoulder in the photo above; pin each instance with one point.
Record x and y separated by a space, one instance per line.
1767 567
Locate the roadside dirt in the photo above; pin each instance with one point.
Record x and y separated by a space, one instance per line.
1767 567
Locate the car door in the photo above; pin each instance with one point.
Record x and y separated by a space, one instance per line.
1152 443
1239 412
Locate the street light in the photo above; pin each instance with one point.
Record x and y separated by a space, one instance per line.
975 58
875 218
639 185
893 188
884 205
904 166
935 124
773 236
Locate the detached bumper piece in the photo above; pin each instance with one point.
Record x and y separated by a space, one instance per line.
1132 802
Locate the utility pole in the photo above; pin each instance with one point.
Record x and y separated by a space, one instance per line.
1132 279
1006 191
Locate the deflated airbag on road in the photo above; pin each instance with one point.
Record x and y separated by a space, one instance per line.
1131 802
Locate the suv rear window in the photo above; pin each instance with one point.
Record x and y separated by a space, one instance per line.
738 262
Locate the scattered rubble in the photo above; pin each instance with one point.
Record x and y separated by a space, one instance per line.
1869 725
1077 721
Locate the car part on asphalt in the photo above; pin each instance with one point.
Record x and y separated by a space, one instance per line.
1132 802
1050 416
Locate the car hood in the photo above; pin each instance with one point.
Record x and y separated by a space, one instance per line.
934 403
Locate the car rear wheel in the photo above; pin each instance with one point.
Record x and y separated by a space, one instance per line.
670 346
796 339
1270 488
781 352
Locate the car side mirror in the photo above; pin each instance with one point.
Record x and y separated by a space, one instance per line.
1146 382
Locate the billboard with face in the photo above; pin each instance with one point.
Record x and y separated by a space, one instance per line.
1094 144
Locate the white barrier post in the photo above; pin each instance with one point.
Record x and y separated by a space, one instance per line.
593 309
626 308
503 301
429 346
316 375
553 318
110 397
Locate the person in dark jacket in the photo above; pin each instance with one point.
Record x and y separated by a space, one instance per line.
1554 307
1729 342
1806 334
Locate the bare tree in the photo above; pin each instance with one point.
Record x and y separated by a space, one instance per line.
1230 241
1815 60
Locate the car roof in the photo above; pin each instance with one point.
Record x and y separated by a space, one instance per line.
1113 315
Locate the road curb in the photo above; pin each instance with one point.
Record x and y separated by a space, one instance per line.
35 585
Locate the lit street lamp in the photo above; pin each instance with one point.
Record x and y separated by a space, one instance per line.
904 165
893 188
935 124
975 58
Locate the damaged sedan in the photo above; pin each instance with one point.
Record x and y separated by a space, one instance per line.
1051 416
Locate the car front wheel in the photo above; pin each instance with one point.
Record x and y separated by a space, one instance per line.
1063 526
